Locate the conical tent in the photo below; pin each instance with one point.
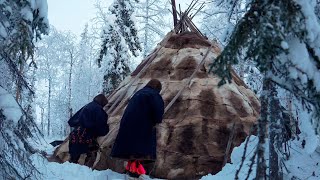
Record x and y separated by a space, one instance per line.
202 121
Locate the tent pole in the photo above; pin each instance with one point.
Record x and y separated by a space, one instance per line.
174 13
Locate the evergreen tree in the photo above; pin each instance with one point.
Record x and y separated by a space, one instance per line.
118 39
123 11
21 22
219 19
282 37
117 67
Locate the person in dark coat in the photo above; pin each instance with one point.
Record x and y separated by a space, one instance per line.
89 123
136 139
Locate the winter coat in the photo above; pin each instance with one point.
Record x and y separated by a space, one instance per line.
74 121
92 122
136 138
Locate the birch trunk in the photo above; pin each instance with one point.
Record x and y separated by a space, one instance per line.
67 129
49 106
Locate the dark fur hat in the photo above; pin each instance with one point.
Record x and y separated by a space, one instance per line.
155 84
101 99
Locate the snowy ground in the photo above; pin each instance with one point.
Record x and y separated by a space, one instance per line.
70 171
303 163
48 170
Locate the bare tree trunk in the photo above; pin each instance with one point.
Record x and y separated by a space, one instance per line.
90 75
42 119
275 132
262 131
67 130
145 43
49 106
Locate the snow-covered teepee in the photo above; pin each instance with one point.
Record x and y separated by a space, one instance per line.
202 122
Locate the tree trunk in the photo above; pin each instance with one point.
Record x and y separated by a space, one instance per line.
91 77
275 132
49 106
67 129
42 119
19 82
270 115
262 131
145 43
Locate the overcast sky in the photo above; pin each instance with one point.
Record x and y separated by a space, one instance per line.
71 15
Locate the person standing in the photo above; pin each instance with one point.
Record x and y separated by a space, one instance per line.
90 122
136 140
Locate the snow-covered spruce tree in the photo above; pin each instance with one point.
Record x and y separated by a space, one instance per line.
283 37
150 18
119 37
15 142
115 53
21 22
218 22
123 11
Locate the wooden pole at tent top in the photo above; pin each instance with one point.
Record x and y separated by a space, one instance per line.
174 13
